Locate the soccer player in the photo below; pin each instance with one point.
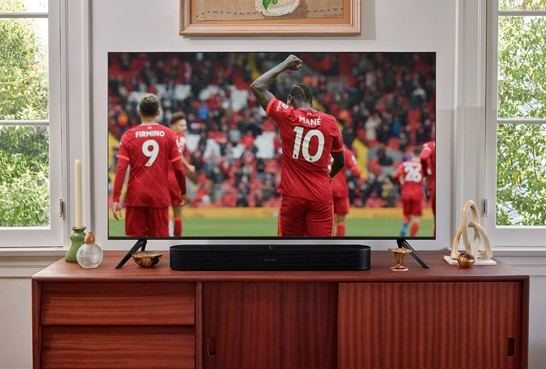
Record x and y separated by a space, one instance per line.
149 150
340 191
180 126
409 175
428 161
309 139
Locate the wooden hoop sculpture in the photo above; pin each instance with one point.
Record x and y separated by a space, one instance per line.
480 234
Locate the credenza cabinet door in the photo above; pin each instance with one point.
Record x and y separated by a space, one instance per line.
118 325
448 325
269 325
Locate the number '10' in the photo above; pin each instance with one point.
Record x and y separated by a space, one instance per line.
302 142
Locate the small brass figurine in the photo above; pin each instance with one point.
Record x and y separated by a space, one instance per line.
399 254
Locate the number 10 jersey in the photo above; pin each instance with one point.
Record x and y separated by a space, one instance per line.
308 138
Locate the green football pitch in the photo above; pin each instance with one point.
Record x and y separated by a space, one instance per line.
267 227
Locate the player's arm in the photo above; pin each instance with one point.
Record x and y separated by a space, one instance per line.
121 171
425 156
399 175
180 176
338 163
187 166
260 87
176 160
350 162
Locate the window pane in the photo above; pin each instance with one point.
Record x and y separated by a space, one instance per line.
522 4
23 69
23 5
24 178
521 174
521 78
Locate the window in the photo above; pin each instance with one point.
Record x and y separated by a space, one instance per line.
30 171
516 122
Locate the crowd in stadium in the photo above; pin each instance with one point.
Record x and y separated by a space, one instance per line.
384 102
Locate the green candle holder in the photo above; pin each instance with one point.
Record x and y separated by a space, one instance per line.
77 237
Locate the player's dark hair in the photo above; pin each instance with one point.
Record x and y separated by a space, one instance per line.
179 115
302 92
416 151
149 105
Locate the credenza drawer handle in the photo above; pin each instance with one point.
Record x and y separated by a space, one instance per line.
511 347
211 346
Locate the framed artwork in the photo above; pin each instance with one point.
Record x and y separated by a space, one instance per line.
270 17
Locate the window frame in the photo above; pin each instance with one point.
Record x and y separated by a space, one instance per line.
54 234
502 236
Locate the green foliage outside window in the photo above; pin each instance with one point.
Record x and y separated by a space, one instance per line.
521 174
24 149
521 148
24 178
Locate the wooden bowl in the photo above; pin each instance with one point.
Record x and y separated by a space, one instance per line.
147 259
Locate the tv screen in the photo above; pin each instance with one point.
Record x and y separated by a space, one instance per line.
384 104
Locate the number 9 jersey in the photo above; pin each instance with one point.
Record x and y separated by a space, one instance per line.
150 150
308 138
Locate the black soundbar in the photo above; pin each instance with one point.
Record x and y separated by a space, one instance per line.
270 257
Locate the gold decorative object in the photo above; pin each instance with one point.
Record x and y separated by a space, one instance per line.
480 249
147 259
466 259
399 254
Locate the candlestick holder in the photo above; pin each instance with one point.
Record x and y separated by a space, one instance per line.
78 234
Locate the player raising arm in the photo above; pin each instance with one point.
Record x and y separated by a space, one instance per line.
310 139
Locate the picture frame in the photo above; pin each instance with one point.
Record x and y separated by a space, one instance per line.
235 18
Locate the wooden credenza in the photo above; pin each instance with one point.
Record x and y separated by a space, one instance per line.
444 317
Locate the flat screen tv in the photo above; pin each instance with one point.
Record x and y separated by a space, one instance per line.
384 102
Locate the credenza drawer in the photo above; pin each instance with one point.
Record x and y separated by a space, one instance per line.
160 347
118 303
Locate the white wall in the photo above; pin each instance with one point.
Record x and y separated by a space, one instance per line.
452 28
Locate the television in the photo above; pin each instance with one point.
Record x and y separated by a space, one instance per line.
384 102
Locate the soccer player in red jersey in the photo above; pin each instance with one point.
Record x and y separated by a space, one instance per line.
179 125
309 139
150 150
428 161
340 191
409 175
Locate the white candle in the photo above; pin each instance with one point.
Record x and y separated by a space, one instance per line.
78 193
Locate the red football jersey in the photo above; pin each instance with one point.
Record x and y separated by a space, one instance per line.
410 176
181 145
308 138
339 182
150 150
428 161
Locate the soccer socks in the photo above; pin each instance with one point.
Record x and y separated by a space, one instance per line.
340 232
404 228
414 228
177 226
